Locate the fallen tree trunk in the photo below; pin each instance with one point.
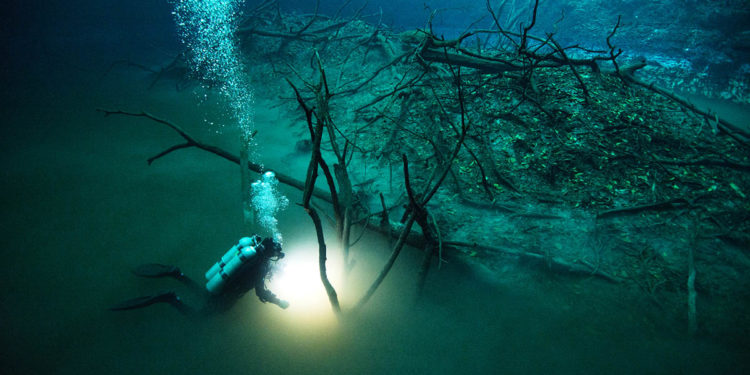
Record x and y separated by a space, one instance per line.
548 262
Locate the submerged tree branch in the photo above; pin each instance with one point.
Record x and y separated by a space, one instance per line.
193 142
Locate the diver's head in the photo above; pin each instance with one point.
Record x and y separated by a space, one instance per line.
270 248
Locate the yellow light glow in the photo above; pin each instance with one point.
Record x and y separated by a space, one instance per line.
297 280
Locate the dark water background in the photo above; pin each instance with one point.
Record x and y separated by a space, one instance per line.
80 207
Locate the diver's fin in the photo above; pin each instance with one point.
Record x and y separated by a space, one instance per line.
137 303
157 270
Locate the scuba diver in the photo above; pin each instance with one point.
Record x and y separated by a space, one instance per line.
245 266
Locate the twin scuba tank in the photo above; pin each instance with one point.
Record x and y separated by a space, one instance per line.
228 266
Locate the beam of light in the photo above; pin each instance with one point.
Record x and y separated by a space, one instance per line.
297 280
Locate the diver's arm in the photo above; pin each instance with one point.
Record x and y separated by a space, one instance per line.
266 295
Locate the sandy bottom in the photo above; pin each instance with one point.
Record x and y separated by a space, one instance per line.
81 208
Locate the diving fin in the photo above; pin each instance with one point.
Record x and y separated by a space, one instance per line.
157 270
137 303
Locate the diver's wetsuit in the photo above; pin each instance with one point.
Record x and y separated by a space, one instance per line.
249 276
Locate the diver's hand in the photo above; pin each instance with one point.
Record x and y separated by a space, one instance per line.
283 304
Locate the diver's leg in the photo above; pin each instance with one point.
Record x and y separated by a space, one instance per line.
169 297
140 302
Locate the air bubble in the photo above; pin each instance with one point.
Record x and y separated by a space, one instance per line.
207 28
267 201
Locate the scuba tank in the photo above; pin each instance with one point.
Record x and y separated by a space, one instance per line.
231 262
243 242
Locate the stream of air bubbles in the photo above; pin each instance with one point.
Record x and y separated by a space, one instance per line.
207 29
